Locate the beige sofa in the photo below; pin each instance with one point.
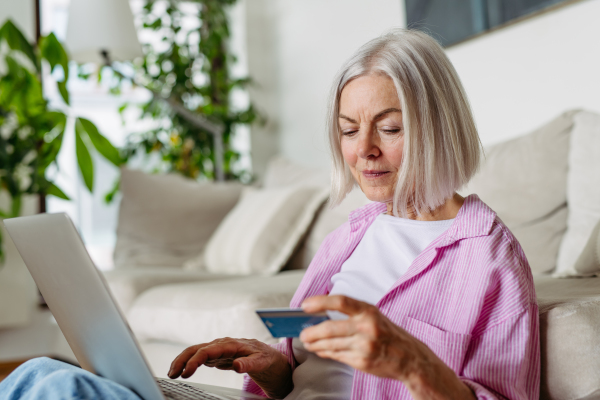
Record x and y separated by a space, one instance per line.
534 182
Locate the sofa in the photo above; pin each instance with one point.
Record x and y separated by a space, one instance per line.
194 260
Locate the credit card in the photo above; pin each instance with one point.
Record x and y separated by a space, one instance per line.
288 322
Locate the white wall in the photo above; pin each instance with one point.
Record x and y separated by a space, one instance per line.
523 75
295 47
22 14
517 78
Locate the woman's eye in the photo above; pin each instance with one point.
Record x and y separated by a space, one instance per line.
391 130
349 132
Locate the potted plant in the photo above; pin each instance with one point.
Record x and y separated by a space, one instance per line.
31 132
189 74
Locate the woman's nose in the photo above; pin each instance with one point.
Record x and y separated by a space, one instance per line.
366 145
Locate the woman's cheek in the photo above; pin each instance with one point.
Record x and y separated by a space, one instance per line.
348 153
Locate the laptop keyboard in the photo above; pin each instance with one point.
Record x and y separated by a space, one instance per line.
177 390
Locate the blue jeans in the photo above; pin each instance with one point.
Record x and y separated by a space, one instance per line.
46 379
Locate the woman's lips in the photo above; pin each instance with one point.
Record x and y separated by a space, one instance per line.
373 174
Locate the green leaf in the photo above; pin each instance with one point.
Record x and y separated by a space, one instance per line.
86 166
15 206
62 88
101 143
17 41
56 191
110 196
55 54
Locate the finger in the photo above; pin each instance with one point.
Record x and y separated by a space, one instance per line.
347 357
335 344
328 329
255 362
344 304
215 351
180 361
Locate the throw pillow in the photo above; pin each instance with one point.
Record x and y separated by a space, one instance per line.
583 190
327 220
165 220
524 180
261 232
283 172
588 263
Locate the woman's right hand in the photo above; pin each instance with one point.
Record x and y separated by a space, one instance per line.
268 367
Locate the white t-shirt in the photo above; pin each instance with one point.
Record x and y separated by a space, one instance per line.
389 247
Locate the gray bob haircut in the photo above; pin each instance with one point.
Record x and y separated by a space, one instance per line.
441 145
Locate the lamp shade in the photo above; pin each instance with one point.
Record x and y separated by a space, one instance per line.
101 25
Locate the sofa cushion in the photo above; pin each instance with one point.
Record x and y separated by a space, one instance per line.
583 189
165 220
524 181
588 262
327 220
283 172
126 284
200 312
569 337
259 235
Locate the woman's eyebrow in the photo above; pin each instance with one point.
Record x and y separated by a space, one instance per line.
384 112
378 116
347 118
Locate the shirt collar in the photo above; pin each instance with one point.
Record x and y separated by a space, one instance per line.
474 219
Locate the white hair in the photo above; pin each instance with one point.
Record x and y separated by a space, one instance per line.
441 145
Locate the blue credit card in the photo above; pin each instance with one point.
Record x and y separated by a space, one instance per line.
288 322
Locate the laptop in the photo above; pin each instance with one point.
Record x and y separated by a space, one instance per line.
87 314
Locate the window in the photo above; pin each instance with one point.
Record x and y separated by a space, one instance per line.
451 21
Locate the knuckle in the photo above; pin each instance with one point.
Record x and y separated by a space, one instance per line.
344 301
371 311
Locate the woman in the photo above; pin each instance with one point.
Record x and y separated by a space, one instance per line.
438 293
431 295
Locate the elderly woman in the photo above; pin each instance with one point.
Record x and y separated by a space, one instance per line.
438 294
431 294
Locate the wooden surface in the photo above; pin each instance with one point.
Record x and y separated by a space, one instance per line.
7 367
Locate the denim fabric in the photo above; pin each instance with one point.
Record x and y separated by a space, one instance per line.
46 379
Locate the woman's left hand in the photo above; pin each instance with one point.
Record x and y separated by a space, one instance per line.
368 341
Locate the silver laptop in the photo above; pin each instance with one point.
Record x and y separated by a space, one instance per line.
88 316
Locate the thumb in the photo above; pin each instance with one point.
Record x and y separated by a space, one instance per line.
255 362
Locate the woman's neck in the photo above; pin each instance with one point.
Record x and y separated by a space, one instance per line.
448 210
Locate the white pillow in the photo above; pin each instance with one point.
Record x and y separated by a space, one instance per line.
326 222
283 172
259 235
588 263
164 220
524 180
583 190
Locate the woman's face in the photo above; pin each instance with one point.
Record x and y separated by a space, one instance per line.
372 136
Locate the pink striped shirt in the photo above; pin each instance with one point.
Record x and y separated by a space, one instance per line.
469 296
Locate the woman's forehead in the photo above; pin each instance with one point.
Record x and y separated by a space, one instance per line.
369 94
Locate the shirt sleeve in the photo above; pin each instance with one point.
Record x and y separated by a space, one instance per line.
504 361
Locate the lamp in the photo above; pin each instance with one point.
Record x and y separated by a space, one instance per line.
101 25
102 31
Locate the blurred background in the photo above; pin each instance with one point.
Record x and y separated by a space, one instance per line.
521 61
214 89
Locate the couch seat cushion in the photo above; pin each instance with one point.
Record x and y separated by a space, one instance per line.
569 337
201 312
128 283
